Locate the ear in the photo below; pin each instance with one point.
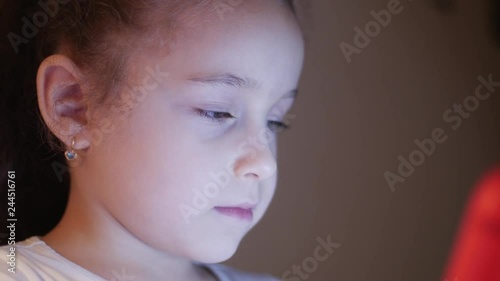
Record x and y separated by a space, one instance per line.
62 102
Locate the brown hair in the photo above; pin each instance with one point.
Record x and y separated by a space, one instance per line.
91 31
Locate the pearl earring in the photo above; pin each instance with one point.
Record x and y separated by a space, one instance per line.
71 155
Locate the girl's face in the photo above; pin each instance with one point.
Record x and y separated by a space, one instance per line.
191 167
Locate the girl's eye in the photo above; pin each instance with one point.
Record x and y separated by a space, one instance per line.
277 126
221 117
215 116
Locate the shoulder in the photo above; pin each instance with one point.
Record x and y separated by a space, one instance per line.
17 260
227 273
33 260
7 259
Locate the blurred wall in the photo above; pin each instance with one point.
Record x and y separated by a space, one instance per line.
352 122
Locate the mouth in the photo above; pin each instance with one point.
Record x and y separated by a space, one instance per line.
244 213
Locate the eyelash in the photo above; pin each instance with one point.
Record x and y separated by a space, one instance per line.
221 117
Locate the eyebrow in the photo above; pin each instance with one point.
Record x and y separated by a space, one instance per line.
234 81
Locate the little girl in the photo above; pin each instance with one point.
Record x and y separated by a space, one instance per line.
167 112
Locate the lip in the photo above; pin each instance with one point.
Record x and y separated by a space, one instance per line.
243 212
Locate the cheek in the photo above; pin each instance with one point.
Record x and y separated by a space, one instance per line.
158 158
158 162
145 169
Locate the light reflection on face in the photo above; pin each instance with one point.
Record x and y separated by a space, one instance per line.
208 129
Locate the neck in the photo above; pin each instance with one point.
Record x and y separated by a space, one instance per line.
90 237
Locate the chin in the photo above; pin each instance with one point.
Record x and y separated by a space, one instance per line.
216 251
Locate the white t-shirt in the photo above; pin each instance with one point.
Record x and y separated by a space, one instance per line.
36 261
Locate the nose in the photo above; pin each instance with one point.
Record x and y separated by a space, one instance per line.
256 163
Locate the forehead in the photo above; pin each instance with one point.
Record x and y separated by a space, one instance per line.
255 36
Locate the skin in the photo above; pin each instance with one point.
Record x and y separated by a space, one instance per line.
128 189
